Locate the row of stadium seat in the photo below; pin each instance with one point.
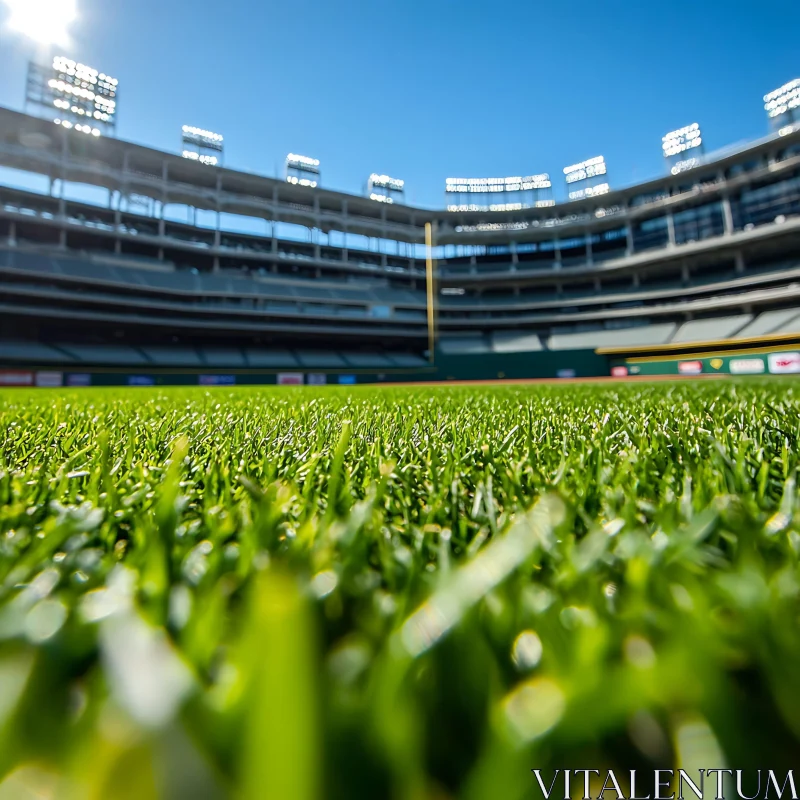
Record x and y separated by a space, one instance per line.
284 295
204 284
33 353
738 326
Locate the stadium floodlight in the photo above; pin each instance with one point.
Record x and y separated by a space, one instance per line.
302 170
385 182
211 161
516 185
303 163
201 145
681 140
682 166
487 185
202 138
79 94
589 191
585 170
491 227
783 101
384 189
46 22
81 128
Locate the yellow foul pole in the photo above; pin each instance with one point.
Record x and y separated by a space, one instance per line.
431 292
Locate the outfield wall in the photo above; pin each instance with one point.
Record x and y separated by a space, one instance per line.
565 364
461 367
756 361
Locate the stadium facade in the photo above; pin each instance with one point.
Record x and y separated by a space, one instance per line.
124 264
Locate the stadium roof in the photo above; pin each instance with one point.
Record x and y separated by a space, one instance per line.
35 145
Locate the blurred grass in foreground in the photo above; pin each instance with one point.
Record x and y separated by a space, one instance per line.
394 593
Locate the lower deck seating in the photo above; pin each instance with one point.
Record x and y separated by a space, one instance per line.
701 330
768 322
591 340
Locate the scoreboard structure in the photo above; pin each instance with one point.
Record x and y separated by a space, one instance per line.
76 96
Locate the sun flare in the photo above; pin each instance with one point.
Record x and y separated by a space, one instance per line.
46 22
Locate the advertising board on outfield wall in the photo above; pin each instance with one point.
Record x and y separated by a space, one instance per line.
290 378
50 379
747 366
784 363
690 367
216 380
16 378
776 363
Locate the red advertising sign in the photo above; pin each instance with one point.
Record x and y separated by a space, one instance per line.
619 372
15 378
290 378
690 367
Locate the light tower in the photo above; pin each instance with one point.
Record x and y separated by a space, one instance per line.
74 95
587 178
783 105
302 170
201 145
688 139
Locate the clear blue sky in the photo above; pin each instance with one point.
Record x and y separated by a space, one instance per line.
425 89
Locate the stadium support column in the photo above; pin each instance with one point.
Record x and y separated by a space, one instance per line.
318 227
430 275
384 256
162 226
217 230
275 216
670 229
123 195
727 214
62 203
12 234
345 254
628 239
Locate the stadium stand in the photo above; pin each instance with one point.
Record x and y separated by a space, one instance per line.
769 322
792 326
515 342
644 335
115 355
336 283
699 330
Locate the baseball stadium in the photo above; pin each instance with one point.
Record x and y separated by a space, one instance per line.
684 274
309 494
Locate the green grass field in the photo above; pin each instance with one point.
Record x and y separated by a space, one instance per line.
394 593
